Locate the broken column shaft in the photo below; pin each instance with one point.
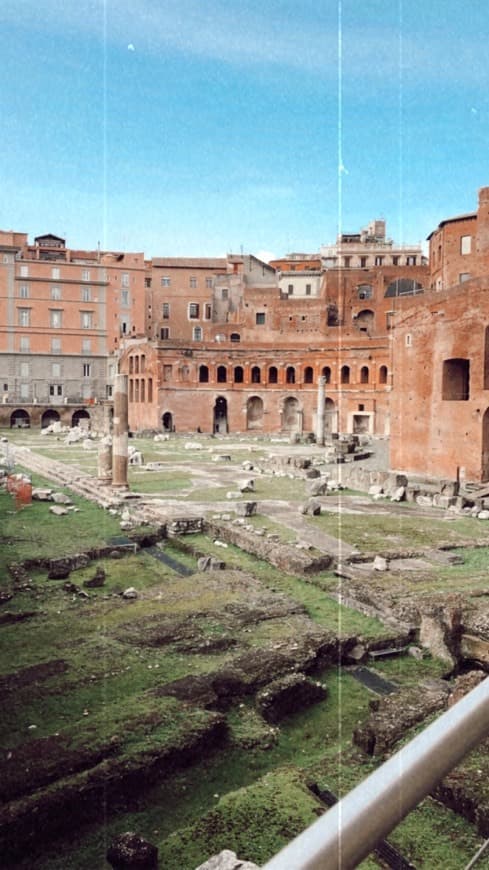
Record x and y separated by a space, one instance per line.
120 432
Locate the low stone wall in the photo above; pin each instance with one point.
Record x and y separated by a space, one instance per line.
288 559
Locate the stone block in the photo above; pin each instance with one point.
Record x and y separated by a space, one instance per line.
288 695
130 852
380 564
246 508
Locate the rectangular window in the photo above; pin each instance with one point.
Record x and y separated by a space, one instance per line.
410 261
395 260
193 283
87 370
55 292
347 262
260 318
125 279
55 389
167 372
379 260
86 294
56 370
147 282
208 311
85 275
464 276
55 345
24 391
55 273
165 311
24 291
193 310
363 262
24 344
290 289
25 370
197 333
86 319
224 293
165 281
465 244
24 316
86 345
164 333
55 318
24 271
124 297
208 283
308 289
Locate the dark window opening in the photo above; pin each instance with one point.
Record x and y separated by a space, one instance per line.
221 375
203 375
238 375
345 374
255 375
383 375
272 375
308 375
326 373
456 380
364 375
290 375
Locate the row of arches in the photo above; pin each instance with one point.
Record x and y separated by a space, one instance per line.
290 415
21 419
271 375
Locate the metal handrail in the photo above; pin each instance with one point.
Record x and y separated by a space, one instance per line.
348 832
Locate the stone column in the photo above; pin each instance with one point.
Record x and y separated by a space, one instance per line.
104 468
120 429
320 412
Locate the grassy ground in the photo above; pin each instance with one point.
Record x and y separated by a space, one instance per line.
101 664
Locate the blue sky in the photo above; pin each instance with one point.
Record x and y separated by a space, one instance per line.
203 126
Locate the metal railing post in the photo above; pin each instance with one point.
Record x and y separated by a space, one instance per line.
348 832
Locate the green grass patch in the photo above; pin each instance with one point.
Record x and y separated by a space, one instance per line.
374 532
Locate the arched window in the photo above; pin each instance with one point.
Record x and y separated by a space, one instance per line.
272 375
238 375
383 375
326 373
203 375
235 336
290 375
364 375
345 374
308 375
222 375
365 291
255 375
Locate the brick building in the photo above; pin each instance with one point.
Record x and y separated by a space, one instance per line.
233 350
63 313
440 405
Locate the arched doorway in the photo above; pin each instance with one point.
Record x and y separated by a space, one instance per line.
167 422
81 418
254 413
20 419
330 417
291 415
221 416
485 446
48 418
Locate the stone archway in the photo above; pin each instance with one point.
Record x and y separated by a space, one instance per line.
292 418
220 416
254 413
49 417
20 419
167 422
81 418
